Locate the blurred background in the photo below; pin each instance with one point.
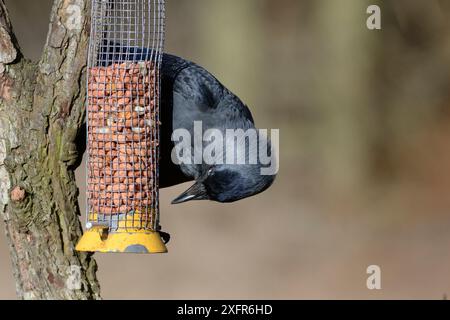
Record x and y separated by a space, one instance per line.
364 119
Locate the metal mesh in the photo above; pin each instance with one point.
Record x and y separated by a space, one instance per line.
125 52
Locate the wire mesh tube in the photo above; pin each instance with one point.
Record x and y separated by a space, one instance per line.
125 53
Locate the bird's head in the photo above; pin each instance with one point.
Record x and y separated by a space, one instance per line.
224 182
227 183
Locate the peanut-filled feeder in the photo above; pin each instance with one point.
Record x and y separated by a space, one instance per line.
123 86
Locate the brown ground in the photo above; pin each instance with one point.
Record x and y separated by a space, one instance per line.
276 245
364 175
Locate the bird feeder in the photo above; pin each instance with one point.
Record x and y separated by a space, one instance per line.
123 89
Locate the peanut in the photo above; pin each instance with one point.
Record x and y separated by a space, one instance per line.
122 115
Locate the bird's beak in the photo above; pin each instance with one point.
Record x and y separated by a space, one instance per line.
195 192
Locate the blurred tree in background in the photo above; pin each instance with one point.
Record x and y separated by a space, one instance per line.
350 96
364 116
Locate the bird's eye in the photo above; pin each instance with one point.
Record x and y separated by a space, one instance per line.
210 172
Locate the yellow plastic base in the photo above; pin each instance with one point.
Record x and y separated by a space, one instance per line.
138 241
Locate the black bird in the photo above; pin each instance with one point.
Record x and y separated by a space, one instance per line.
190 93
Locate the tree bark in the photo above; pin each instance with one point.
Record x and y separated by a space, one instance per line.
41 119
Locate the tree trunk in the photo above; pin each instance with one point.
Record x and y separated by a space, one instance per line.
41 118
